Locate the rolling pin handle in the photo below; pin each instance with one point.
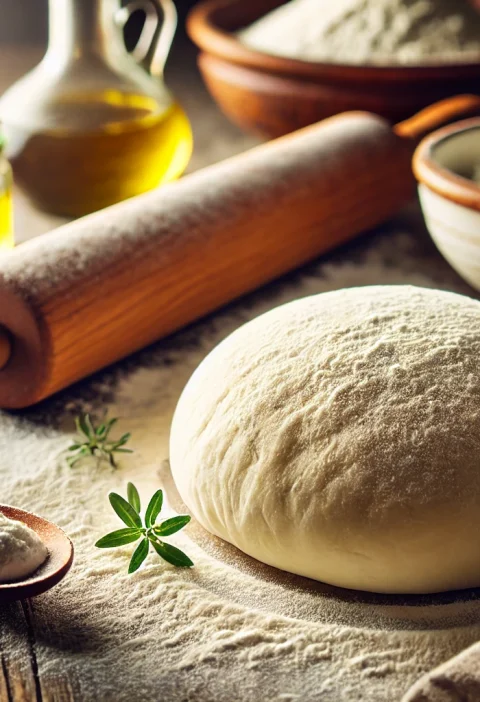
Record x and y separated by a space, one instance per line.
5 348
438 115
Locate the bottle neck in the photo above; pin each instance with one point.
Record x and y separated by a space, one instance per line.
81 27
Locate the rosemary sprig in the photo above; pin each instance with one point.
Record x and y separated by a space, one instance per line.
148 530
94 441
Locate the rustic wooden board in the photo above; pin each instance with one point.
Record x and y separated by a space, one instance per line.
18 684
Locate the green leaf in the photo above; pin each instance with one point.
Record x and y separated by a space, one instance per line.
133 497
89 425
108 427
124 510
82 453
139 555
171 554
172 525
82 426
93 441
154 508
123 440
119 538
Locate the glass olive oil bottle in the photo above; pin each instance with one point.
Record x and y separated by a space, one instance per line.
93 124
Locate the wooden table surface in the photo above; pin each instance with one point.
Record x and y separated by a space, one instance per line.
215 139
21 657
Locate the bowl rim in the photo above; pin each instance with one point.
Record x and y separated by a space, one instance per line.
439 179
214 40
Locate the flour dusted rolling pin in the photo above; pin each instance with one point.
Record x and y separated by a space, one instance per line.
93 291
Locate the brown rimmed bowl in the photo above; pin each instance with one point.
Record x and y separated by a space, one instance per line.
57 565
271 95
444 164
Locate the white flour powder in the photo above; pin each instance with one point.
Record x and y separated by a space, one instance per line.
21 550
369 31
229 629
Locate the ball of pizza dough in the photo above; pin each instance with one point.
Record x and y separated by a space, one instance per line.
338 437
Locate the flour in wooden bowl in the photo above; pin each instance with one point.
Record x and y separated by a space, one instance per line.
369 31
21 550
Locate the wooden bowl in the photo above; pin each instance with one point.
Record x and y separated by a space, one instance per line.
57 565
272 96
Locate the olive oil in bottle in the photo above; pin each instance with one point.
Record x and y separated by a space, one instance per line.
116 145
6 218
94 123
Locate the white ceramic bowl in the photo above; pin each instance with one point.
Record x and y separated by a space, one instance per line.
444 165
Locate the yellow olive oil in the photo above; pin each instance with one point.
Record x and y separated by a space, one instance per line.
6 208
115 146
6 225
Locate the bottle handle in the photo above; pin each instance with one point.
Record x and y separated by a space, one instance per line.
157 35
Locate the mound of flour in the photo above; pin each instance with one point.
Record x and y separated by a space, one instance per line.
369 31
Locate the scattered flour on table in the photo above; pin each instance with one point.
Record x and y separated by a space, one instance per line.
219 632
369 31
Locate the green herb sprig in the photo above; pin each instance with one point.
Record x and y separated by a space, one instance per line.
149 530
94 441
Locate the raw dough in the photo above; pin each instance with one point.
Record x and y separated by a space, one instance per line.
338 437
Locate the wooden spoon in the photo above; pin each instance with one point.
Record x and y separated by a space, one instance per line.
57 565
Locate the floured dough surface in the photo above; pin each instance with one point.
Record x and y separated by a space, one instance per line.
338 437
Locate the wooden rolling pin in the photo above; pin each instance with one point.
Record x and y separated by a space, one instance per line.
93 291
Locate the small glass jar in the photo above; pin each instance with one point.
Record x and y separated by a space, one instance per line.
6 209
